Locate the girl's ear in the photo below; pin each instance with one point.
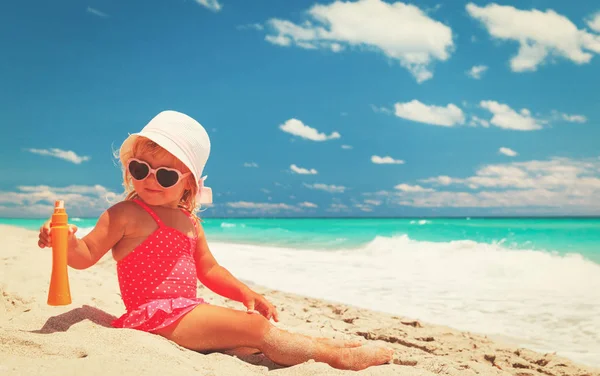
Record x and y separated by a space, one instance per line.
189 183
186 194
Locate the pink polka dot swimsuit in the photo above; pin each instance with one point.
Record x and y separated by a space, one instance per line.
158 278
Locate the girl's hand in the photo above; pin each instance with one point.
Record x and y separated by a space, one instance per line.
257 302
45 237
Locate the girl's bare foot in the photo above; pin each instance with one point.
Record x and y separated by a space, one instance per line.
337 342
359 358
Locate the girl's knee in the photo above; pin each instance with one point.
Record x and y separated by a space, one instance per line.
259 321
259 325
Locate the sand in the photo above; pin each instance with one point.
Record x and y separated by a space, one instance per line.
38 339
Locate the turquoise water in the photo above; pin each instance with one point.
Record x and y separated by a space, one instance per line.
561 235
564 235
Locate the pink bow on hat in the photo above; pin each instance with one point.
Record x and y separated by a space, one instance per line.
204 195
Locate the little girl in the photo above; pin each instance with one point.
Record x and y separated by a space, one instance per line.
160 249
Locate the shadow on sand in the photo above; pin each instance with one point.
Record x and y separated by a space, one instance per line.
62 322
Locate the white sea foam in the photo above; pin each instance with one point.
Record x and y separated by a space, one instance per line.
83 231
232 225
535 299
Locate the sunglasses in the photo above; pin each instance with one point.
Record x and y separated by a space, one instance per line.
166 177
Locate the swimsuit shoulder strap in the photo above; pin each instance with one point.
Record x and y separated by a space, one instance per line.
191 219
149 211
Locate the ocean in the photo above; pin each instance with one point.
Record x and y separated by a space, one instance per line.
533 282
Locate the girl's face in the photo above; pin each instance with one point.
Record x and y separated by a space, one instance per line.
149 188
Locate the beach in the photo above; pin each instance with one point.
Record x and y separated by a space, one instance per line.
36 338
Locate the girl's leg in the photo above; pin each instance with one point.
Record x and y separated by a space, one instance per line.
214 328
243 351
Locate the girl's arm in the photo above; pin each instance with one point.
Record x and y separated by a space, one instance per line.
85 252
214 276
219 280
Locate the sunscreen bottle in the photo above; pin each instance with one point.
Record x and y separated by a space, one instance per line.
59 293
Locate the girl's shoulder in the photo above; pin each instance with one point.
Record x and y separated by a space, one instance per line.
125 206
127 215
125 211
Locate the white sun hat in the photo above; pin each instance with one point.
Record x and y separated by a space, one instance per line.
182 136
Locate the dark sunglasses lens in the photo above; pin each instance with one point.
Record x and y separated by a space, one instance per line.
138 170
166 178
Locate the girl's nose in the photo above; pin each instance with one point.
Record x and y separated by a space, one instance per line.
151 179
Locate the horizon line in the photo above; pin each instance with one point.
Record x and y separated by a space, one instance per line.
590 216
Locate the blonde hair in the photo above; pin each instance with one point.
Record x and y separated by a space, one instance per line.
143 145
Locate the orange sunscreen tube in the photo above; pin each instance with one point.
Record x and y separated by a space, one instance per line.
59 293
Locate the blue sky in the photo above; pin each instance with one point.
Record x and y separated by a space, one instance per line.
356 108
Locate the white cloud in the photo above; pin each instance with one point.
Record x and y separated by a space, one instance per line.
96 12
297 128
532 198
412 188
279 40
254 26
78 189
213 5
503 116
250 164
303 171
475 121
440 180
539 34
476 71
307 204
594 22
373 202
507 118
508 152
381 109
434 9
80 200
385 160
560 184
337 207
28 211
402 32
363 207
328 188
444 116
489 176
67 155
346 147
573 118
336 47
